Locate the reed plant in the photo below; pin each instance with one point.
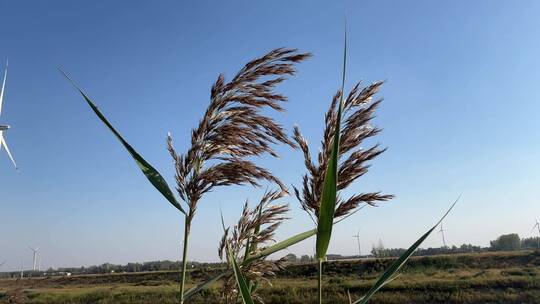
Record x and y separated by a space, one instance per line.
340 162
234 130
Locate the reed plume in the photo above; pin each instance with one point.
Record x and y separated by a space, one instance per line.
254 230
358 111
233 129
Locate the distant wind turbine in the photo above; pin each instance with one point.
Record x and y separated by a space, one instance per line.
22 269
441 231
35 250
537 226
2 263
4 127
357 236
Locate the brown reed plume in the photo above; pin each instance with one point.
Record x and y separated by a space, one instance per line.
358 111
232 129
254 230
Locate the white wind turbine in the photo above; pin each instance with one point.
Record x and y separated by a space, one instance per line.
357 236
537 226
441 231
35 250
4 127
22 269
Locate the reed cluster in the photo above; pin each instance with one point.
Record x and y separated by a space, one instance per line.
234 131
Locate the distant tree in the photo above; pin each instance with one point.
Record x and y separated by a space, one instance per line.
291 257
507 242
305 258
470 248
379 250
530 243
334 257
132 267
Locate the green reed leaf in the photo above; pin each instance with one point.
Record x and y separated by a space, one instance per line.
389 274
194 290
150 172
240 280
329 191
281 245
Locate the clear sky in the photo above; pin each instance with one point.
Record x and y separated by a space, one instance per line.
460 116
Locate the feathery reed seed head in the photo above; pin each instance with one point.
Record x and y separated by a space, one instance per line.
233 128
358 111
255 229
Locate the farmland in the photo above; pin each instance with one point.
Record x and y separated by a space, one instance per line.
498 277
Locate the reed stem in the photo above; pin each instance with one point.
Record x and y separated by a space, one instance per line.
187 227
319 282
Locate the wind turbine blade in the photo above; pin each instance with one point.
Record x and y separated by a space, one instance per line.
2 89
3 143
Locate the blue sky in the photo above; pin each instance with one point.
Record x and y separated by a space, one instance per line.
460 116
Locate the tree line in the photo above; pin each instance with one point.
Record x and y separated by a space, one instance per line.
506 242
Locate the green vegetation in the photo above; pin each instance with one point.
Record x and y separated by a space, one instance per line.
507 242
494 277
531 243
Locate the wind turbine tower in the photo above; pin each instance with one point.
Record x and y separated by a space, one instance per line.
537 226
441 231
22 269
35 250
357 236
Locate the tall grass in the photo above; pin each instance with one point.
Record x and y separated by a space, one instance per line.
231 132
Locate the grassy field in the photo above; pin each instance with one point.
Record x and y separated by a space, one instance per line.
468 278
